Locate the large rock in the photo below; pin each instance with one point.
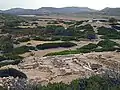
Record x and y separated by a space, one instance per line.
12 72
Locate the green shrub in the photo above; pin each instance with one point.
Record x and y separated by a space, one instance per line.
23 39
6 43
111 36
107 43
9 62
10 58
55 45
104 31
78 22
69 38
91 83
20 50
90 46
23 49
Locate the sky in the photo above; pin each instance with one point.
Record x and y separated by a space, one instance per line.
35 4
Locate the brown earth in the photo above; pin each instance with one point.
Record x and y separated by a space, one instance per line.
69 67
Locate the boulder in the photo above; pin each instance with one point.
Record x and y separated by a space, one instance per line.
12 72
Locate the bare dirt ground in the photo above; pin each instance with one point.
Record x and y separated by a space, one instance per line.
69 67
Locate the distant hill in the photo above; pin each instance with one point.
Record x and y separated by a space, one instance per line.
111 11
47 10
64 10
18 11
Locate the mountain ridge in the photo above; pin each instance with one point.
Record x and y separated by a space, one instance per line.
63 10
47 10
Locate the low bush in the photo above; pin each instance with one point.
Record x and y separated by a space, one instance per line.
10 59
91 83
22 49
90 46
9 62
66 52
107 43
105 31
111 36
23 39
55 45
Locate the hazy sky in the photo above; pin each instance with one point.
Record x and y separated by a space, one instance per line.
34 4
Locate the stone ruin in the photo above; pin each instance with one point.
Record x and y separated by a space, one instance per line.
61 66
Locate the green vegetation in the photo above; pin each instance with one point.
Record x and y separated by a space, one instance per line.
55 45
53 22
8 17
112 20
22 49
56 38
68 22
11 21
90 46
7 56
78 22
12 24
105 31
23 39
89 32
51 32
65 52
40 38
111 36
106 45
6 47
108 33
6 43
8 59
54 30
92 83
